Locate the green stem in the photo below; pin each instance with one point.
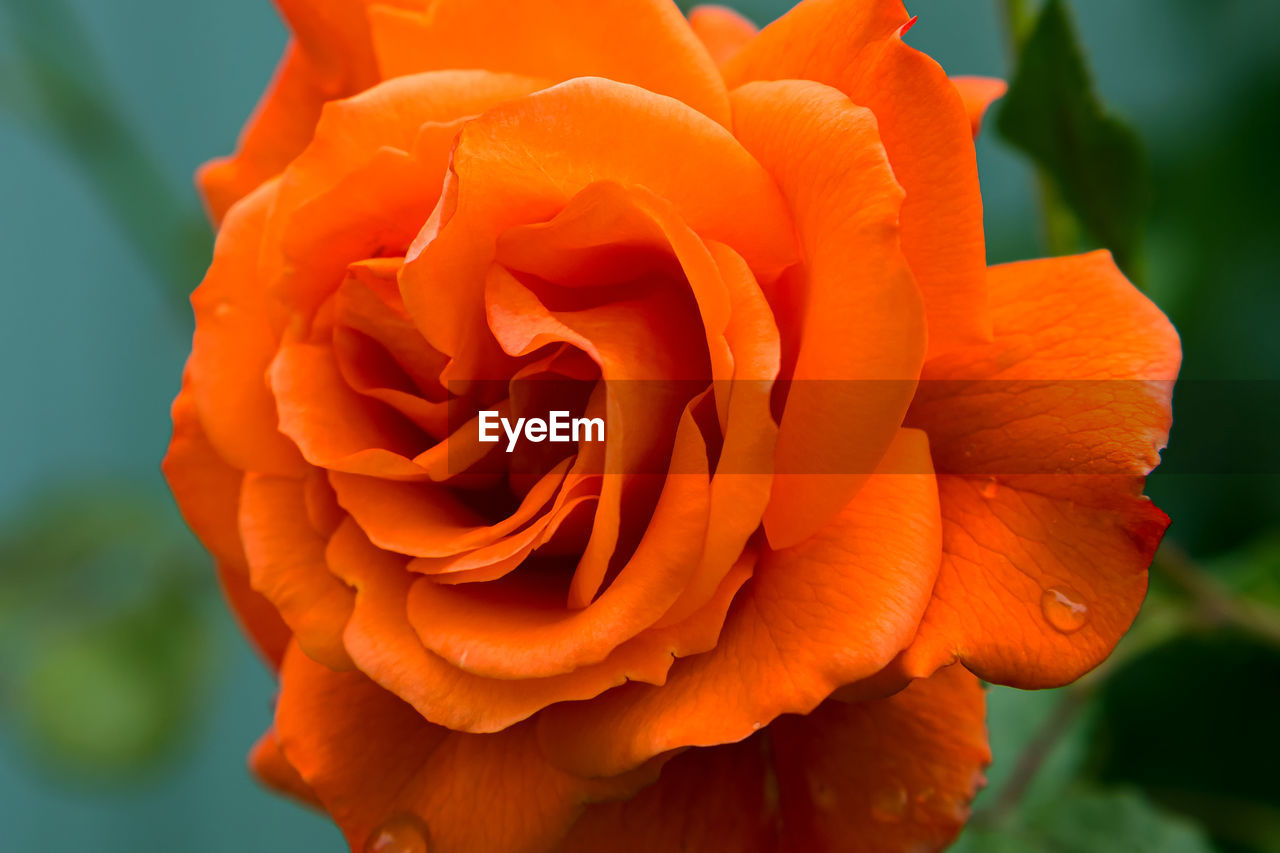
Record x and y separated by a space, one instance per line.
1212 603
64 96
1028 763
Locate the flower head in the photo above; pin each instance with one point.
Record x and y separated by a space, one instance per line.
846 468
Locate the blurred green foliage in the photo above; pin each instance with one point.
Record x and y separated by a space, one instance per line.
1092 160
1085 821
104 631
57 85
1169 746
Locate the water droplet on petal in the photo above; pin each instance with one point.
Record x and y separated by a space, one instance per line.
222 309
889 804
757 726
401 834
991 488
1063 609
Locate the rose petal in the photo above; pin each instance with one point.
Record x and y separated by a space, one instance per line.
207 490
979 93
287 566
335 35
267 762
375 763
610 234
723 31
392 115
383 644
369 178
369 302
499 558
857 48
428 520
835 609
1043 572
335 427
894 774
706 800
488 631
517 165
742 483
862 335
233 346
649 357
330 57
280 127
206 487
257 616
557 40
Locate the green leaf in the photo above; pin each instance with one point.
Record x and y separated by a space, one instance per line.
1053 114
1015 720
111 698
1090 822
105 631
1176 722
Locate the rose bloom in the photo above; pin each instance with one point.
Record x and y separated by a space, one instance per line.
873 501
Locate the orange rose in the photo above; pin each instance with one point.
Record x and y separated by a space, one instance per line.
884 476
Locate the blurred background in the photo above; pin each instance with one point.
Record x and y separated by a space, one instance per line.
128 700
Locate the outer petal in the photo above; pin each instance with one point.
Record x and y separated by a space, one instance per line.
280 127
889 775
233 346
722 30
861 324
208 493
335 36
378 766
287 566
330 57
894 774
979 93
857 48
268 763
557 40
206 488
1047 435
393 114
706 801
832 610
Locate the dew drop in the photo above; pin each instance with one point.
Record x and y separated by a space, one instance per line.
401 834
1063 609
990 489
889 804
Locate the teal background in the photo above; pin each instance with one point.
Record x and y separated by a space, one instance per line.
91 351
